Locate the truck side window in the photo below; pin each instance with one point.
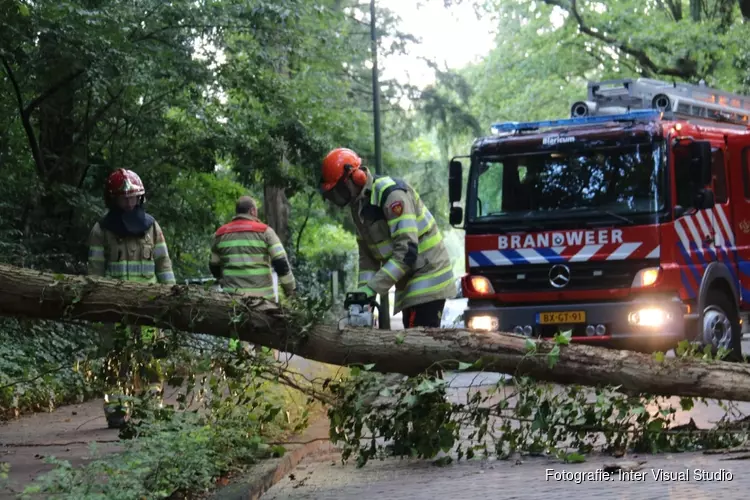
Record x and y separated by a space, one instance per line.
683 185
490 189
719 176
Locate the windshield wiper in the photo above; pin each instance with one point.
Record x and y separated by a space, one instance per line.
513 222
615 215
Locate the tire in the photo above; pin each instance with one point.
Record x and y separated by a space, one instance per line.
720 326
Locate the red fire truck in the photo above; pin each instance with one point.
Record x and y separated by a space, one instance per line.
627 224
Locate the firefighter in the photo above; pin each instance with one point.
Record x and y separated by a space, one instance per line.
244 251
399 241
128 244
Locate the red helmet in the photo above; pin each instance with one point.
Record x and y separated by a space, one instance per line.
334 166
124 182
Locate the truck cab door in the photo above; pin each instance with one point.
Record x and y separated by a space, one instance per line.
737 224
694 225
720 215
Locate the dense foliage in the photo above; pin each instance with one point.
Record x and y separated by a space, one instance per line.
212 99
205 101
420 417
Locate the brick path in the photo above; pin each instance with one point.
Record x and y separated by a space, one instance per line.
66 433
325 478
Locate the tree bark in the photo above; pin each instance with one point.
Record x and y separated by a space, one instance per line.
276 210
34 294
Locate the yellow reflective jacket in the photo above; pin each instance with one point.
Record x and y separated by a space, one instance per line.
400 244
243 252
143 259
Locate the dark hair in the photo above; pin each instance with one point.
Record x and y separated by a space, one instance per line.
245 205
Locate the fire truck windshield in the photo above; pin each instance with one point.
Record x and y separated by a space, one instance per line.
616 183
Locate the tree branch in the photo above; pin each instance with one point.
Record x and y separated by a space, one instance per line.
639 55
87 130
50 91
674 8
90 124
31 136
310 199
745 8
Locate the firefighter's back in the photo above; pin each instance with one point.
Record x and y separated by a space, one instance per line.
244 252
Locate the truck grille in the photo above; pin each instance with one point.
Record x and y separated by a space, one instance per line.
583 276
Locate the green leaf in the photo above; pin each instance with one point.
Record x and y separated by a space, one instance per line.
426 386
368 367
23 9
638 411
553 356
683 347
400 338
563 338
411 400
464 366
686 404
530 345
656 425
574 458
658 357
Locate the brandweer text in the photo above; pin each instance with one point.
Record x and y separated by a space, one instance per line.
560 239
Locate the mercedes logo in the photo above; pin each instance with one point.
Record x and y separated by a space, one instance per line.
559 276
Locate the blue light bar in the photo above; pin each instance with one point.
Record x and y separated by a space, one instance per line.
641 114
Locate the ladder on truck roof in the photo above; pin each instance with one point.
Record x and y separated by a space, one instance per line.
681 99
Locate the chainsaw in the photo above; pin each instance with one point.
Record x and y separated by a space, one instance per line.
360 310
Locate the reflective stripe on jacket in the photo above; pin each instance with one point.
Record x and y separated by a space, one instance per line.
245 249
143 259
400 243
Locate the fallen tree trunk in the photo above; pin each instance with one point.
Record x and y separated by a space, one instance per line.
29 293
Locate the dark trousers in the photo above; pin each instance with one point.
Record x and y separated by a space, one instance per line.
427 315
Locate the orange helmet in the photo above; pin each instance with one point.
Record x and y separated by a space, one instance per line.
334 166
340 165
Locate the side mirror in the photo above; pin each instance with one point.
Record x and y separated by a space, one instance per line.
705 199
455 174
456 216
700 163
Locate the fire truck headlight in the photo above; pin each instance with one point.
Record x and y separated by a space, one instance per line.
481 285
486 323
649 317
646 277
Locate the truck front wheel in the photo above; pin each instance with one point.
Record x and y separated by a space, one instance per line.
720 326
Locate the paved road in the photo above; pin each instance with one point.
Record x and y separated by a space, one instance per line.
67 432
323 477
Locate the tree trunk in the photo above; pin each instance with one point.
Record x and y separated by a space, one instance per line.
34 294
695 10
276 211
